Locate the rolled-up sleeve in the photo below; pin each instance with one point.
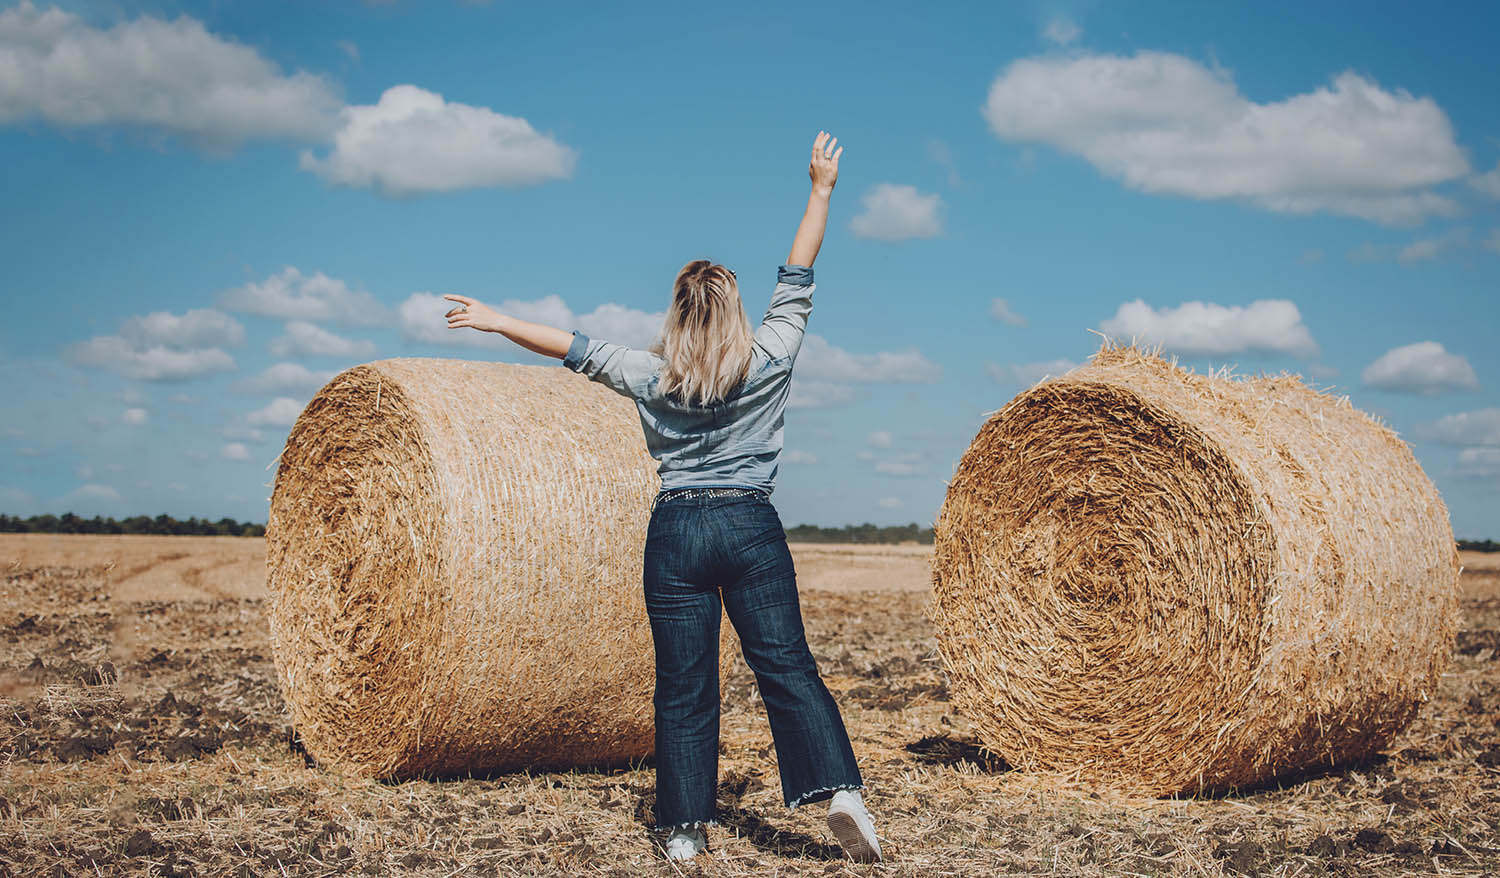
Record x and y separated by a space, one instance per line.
576 350
624 370
780 333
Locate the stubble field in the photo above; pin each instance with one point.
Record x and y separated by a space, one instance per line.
141 732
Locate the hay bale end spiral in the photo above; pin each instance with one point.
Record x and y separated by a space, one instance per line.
1168 582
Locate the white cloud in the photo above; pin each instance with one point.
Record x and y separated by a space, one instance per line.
91 493
1488 182
1266 326
194 328
292 295
1420 250
894 212
1479 427
83 471
1478 463
421 319
799 457
821 361
1000 310
1167 125
234 451
818 394
15 498
285 378
134 416
242 430
910 464
1027 374
151 364
879 439
172 77
280 412
1431 248
888 503
1425 367
412 141
303 339
182 399
161 346
938 151
1061 31
825 372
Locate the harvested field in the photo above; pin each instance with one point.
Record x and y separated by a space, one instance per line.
141 732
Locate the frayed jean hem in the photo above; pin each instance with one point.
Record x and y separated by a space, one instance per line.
687 824
821 793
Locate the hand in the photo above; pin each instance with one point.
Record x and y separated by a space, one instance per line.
824 168
474 313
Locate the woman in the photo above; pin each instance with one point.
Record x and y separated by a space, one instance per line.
711 394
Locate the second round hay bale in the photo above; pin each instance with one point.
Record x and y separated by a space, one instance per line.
1168 582
454 564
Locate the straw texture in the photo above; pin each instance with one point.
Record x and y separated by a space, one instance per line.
1167 582
454 562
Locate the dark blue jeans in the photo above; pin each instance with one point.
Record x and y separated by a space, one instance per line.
701 553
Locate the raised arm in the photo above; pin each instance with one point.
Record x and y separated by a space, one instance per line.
544 340
824 171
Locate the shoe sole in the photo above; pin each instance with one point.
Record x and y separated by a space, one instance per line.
851 839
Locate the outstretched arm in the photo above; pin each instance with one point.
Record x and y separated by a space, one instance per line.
824 171
544 340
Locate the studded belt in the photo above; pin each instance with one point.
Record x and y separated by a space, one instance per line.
705 493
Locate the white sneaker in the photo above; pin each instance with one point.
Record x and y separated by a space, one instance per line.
684 844
852 826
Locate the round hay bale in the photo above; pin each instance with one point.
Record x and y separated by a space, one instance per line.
454 561
1166 582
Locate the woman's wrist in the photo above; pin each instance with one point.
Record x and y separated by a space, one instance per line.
821 191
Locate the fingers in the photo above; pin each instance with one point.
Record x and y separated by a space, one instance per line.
818 143
457 298
836 154
828 149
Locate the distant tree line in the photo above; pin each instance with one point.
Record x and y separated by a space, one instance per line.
68 523
859 533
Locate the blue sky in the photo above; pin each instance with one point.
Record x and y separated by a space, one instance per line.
210 208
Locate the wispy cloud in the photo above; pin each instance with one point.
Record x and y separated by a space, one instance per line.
1000 310
1061 31
162 346
291 295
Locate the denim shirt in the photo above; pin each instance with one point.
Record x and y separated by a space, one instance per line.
733 442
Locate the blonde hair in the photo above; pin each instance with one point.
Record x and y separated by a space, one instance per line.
705 338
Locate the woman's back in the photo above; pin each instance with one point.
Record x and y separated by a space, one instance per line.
735 441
